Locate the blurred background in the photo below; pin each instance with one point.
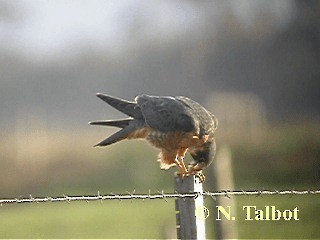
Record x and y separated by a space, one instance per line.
255 64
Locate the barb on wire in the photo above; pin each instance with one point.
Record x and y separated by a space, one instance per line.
159 195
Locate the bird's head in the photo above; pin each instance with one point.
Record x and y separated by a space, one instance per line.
203 157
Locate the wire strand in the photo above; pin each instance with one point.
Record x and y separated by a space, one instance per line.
159 195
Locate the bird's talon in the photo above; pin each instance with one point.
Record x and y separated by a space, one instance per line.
200 176
181 174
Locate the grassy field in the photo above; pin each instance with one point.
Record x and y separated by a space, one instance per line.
139 219
149 219
284 158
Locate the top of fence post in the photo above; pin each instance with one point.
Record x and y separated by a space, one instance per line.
188 225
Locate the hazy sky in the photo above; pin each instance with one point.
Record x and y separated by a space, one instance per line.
50 28
45 28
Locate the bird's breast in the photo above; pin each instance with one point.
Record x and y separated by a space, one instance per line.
174 140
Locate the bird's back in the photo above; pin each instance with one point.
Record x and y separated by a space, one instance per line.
208 122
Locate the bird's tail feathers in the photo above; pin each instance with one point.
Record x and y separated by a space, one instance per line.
116 137
127 107
129 131
121 123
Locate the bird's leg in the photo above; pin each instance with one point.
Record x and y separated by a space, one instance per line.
182 168
193 169
179 161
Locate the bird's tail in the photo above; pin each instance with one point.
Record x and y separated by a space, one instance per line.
122 134
116 137
129 125
121 123
129 128
127 107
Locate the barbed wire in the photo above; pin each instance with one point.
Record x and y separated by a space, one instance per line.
159 195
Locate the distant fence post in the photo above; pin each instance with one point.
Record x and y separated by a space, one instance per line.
188 225
223 179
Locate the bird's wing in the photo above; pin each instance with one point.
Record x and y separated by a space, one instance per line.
166 114
208 122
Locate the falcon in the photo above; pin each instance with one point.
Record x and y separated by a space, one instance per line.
175 125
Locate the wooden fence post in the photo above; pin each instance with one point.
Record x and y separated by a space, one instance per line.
223 179
188 225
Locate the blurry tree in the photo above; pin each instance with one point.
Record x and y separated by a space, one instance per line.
7 12
279 62
280 65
